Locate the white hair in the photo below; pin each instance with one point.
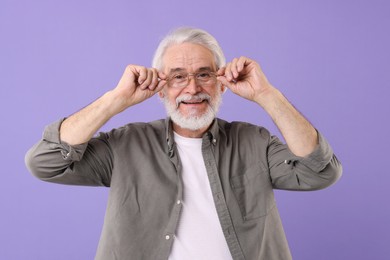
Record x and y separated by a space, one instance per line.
188 35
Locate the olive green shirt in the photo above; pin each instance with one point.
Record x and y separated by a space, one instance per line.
140 164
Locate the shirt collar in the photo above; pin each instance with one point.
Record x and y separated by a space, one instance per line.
212 133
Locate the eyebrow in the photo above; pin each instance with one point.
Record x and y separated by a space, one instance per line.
176 70
198 70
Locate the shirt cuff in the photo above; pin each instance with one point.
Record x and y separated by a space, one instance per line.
321 155
51 135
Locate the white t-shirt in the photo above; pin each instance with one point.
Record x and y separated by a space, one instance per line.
199 234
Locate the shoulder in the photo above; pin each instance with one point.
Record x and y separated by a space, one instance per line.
137 130
242 129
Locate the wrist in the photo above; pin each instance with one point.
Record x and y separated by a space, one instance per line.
112 103
268 96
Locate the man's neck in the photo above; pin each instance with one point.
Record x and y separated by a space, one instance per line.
189 133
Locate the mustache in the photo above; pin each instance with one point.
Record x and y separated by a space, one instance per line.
194 98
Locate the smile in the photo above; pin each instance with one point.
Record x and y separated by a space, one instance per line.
197 99
194 102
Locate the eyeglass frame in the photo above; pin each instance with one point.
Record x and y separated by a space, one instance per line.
213 74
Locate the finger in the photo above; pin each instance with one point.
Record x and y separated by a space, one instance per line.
129 74
233 68
221 71
224 81
155 80
161 84
148 79
162 75
228 72
242 61
162 81
143 74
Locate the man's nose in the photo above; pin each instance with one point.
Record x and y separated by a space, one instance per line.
193 86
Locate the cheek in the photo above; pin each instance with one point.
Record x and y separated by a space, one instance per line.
213 94
171 98
165 94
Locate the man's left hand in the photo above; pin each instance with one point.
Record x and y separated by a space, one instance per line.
245 78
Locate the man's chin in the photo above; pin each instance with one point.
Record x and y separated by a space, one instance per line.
192 119
193 123
191 111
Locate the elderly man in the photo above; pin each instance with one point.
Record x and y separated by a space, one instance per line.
191 186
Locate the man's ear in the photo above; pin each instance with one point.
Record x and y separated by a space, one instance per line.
161 94
223 88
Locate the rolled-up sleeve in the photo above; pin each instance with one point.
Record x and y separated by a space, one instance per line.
55 161
317 170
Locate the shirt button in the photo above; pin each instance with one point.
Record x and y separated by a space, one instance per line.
214 141
178 202
167 237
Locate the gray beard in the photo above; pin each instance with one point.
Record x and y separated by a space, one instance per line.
193 122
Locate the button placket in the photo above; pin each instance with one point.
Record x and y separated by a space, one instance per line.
219 199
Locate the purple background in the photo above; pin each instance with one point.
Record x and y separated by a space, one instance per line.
330 58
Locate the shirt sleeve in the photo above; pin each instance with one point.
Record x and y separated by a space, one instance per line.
315 171
55 161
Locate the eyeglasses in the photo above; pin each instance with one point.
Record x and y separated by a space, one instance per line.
182 79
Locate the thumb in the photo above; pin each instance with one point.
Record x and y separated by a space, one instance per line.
225 82
161 84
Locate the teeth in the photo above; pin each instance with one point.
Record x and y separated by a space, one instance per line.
192 102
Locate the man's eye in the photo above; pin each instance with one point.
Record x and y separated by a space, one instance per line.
178 77
203 75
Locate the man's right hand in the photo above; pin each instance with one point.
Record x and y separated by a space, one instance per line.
136 85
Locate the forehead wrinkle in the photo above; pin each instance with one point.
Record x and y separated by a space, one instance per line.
188 56
181 60
207 68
